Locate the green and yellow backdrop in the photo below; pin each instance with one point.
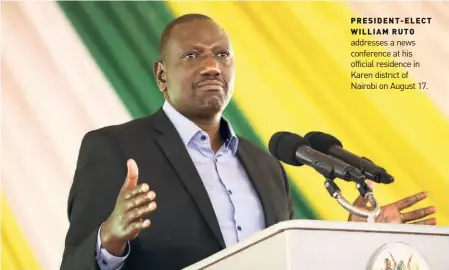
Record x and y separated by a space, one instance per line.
69 67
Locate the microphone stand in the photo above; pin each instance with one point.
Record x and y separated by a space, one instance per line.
364 190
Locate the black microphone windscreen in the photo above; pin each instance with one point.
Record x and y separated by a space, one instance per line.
283 146
321 141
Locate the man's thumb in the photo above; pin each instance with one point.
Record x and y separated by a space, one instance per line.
360 202
133 174
363 202
370 183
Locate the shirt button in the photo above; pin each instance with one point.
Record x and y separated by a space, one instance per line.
239 228
105 262
203 137
230 192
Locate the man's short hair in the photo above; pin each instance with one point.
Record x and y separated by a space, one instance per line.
165 36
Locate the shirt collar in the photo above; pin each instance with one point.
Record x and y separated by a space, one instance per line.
187 129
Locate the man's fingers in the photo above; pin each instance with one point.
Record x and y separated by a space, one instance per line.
133 174
137 226
418 214
429 221
130 193
409 201
140 199
140 212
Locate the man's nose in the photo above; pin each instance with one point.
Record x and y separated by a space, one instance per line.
210 67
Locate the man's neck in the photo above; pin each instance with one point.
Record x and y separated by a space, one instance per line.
209 123
212 127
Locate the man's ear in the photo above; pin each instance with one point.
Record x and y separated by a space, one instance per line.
161 77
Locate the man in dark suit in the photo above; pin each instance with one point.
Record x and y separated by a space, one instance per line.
214 188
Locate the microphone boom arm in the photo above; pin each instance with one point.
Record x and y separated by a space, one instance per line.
364 191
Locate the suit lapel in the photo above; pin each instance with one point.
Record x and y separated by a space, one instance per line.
172 146
257 176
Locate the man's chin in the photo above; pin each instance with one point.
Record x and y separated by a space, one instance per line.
214 104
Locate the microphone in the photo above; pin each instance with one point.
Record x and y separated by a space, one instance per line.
292 149
330 145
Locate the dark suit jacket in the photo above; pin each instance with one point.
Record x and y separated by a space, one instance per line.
184 228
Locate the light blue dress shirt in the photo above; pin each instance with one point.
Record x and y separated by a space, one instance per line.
235 202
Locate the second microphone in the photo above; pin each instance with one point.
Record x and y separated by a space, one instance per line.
294 150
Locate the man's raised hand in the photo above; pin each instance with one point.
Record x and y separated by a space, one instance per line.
391 213
128 218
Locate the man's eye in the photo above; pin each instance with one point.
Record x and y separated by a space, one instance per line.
224 54
189 55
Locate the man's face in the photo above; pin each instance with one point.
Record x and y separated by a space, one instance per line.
199 68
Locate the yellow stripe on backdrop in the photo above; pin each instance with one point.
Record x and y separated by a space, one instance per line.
7 261
292 61
16 254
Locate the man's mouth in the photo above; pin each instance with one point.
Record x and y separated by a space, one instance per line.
212 84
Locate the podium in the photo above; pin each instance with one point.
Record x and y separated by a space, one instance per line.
325 245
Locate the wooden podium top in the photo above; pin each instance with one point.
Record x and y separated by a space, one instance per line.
319 225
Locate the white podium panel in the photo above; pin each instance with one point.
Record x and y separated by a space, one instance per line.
323 245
